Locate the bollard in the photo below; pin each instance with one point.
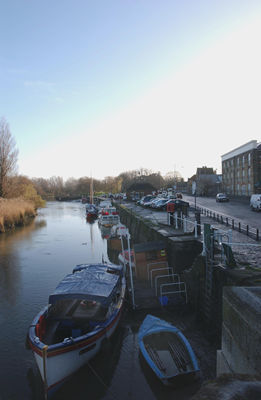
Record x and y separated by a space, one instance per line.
197 216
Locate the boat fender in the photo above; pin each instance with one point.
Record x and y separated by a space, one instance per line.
68 340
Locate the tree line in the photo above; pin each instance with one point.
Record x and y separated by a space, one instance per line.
13 185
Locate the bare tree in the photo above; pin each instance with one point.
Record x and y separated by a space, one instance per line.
8 154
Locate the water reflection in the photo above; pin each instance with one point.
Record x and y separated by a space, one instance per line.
10 272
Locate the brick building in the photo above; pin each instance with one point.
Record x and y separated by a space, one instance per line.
241 170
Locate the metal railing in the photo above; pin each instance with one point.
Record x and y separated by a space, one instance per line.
183 222
153 264
158 269
158 277
181 289
234 223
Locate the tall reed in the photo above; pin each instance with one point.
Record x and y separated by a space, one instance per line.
15 212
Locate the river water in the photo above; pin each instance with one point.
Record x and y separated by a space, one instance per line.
33 260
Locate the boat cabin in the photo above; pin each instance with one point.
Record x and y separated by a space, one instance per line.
81 302
109 216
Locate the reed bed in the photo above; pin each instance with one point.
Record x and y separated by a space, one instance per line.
14 212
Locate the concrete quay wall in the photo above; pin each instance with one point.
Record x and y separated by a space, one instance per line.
241 331
182 249
231 319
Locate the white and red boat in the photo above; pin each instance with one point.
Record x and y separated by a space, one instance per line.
82 313
109 216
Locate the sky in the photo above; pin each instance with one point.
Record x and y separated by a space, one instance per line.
96 88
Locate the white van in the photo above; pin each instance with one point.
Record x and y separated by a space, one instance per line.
255 202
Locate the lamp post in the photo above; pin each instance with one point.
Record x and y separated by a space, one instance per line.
194 191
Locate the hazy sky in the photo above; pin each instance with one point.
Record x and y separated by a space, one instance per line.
101 87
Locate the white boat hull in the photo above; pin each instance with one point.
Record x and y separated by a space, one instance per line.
61 364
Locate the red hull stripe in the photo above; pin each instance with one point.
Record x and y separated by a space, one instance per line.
86 342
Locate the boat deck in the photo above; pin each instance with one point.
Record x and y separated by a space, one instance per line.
168 353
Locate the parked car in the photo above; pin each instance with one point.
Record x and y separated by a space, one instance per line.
179 205
159 205
152 202
255 202
220 197
145 199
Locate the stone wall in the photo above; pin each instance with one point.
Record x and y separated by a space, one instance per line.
182 249
241 331
185 256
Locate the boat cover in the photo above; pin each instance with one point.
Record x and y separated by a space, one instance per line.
153 324
88 282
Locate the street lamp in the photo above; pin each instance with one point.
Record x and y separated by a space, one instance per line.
194 192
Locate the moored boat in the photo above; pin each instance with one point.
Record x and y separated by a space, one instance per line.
109 216
167 352
123 258
82 313
91 211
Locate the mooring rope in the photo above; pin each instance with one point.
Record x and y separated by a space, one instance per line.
114 396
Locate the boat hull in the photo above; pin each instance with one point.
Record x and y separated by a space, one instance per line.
167 352
61 364
58 361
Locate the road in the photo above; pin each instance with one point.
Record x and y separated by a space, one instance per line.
233 209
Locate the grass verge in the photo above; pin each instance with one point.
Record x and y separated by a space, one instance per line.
15 212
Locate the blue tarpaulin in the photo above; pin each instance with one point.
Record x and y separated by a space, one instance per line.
90 282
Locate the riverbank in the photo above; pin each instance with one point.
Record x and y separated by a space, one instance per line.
15 212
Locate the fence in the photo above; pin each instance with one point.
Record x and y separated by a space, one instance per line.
220 218
234 223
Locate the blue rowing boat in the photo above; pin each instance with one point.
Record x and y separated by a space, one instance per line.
167 352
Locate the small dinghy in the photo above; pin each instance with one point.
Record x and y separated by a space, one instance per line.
167 352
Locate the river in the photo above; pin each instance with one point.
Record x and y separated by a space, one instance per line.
33 259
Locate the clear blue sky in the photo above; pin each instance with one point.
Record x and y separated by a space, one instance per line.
101 87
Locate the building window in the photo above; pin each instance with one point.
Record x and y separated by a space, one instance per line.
243 161
249 158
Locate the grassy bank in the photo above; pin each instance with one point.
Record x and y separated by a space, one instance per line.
15 212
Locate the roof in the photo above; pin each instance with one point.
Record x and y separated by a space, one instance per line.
209 178
140 186
89 281
149 246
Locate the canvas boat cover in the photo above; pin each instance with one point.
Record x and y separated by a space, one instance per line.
88 282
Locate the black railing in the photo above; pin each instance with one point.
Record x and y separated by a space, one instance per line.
229 221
